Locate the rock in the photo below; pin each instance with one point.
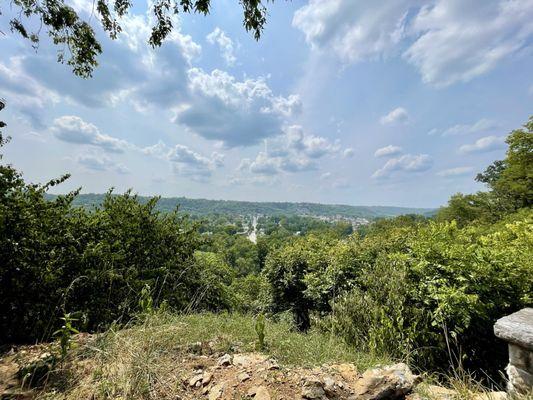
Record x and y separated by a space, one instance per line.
207 377
391 382
259 393
329 386
247 360
216 391
224 361
243 376
347 371
196 380
516 328
490 396
438 392
520 381
313 389
272 364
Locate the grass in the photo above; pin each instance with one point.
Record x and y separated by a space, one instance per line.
142 361
145 360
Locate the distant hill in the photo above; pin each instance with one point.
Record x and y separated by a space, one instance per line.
231 207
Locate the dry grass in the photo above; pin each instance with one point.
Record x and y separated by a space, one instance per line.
143 360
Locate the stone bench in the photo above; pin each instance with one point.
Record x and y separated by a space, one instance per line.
517 330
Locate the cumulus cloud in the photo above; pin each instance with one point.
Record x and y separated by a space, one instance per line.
457 40
187 162
348 153
408 163
95 162
266 164
293 151
458 171
397 116
183 160
484 145
446 40
354 30
237 113
483 125
387 151
73 129
225 44
25 93
128 71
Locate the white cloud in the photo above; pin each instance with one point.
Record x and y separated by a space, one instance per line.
389 150
73 129
458 171
460 40
187 162
293 151
99 163
219 37
354 30
483 125
483 145
448 41
348 153
266 164
397 116
408 163
237 113
25 93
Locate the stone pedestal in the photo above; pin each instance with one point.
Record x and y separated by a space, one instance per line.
517 330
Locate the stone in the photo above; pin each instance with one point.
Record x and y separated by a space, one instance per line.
224 361
520 357
261 393
347 371
216 391
439 392
272 364
196 379
490 396
329 386
516 328
390 382
207 377
313 389
520 381
243 376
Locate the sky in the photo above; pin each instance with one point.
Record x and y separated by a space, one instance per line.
340 101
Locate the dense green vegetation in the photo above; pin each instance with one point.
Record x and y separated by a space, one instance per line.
204 207
428 290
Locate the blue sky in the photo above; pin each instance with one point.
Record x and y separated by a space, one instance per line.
341 101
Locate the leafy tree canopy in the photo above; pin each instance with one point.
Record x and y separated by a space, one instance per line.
67 29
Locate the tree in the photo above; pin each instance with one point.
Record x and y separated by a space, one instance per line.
510 182
287 270
66 28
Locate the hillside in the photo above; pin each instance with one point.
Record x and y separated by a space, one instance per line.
232 207
215 357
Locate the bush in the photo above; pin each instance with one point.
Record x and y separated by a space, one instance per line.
442 294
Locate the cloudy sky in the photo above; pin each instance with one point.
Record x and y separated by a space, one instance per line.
341 101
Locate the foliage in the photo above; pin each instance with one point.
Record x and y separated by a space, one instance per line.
251 294
65 334
228 211
510 182
94 262
66 28
260 330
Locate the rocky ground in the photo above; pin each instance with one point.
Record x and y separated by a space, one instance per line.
204 374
